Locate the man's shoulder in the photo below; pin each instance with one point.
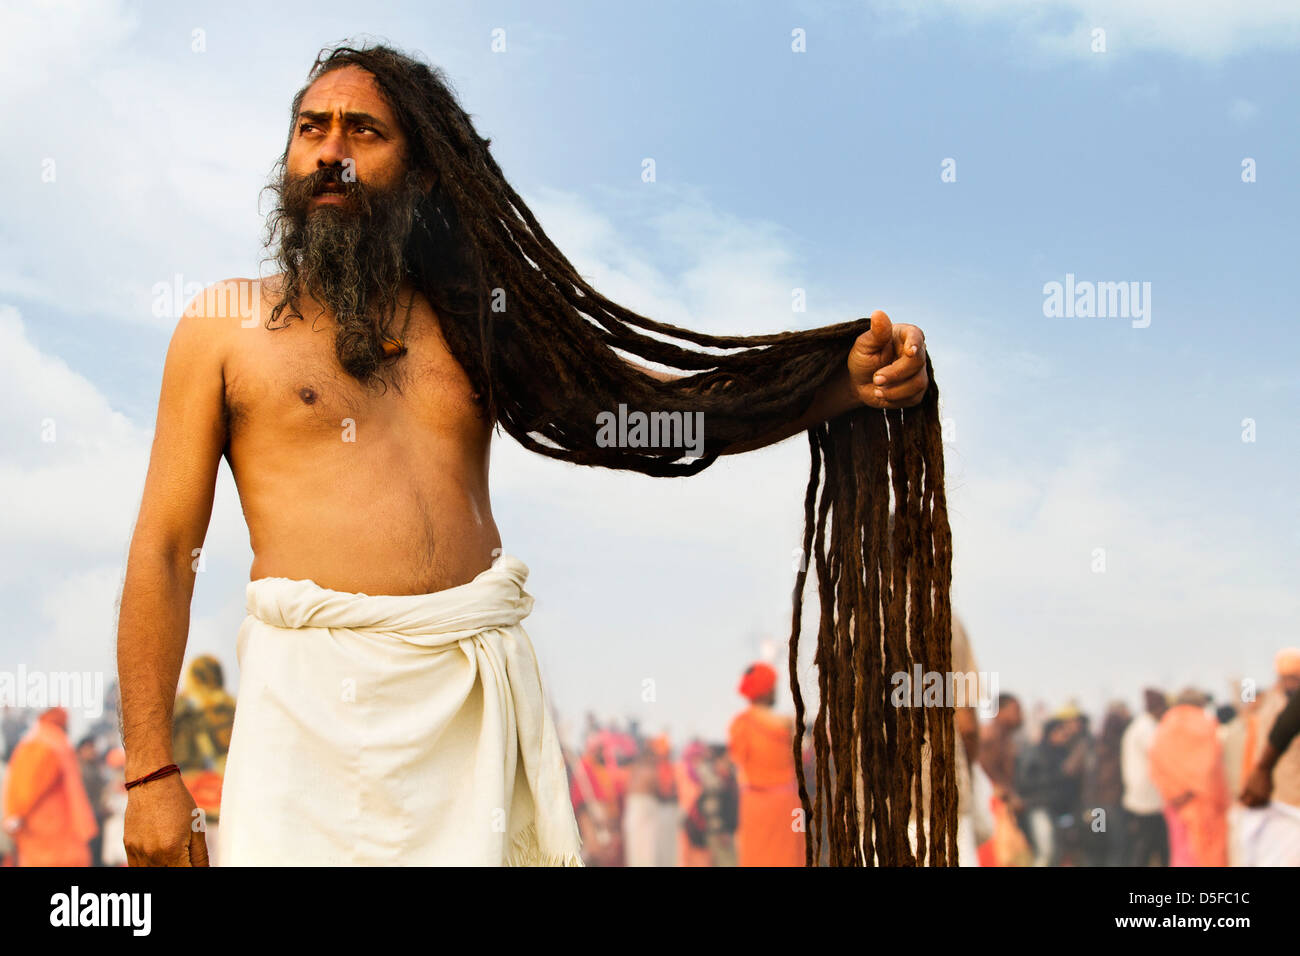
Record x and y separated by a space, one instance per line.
206 328
237 301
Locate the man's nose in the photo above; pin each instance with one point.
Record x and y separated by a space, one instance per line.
333 150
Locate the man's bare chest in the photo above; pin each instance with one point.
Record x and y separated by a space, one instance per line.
288 382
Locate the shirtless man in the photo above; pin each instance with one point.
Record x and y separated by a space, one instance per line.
401 510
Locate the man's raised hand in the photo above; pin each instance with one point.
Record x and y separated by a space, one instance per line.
887 364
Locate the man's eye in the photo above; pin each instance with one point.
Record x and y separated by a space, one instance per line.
306 126
366 129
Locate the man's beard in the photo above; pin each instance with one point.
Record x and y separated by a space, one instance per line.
349 257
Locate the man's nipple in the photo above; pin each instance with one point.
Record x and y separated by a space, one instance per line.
307 394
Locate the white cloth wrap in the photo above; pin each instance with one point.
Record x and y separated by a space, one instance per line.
394 730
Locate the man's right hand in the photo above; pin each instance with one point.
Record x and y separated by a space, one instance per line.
159 826
1258 788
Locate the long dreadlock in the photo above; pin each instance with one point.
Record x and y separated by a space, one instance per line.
544 351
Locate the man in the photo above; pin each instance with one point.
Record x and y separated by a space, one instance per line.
999 744
95 782
46 810
419 305
650 808
1104 791
1283 763
1187 767
997 751
1049 778
1148 832
760 743
1267 833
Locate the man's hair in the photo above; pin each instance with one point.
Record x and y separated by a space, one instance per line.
542 349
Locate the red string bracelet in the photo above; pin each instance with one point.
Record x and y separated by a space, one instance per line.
166 771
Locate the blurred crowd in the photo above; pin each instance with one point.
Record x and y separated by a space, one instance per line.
1185 781
65 804
1177 780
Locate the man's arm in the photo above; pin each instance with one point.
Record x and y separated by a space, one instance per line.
1258 788
885 368
154 617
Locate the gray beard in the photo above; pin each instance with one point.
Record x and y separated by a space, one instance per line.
350 259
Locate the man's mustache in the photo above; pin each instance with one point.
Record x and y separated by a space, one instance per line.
300 190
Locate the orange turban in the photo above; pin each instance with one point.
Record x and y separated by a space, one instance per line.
758 681
57 716
1288 662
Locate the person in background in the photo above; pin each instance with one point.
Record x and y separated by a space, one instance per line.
46 810
1148 832
761 745
692 847
999 743
1187 766
114 848
1070 824
202 721
1285 765
1048 778
1031 779
1237 736
93 779
667 815
1282 735
1105 792
596 789
643 819
715 816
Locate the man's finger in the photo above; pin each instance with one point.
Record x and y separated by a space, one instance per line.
904 392
911 359
877 338
198 849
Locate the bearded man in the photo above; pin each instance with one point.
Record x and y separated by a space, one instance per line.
391 709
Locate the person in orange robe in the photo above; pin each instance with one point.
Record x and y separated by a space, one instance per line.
46 809
761 745
1187 767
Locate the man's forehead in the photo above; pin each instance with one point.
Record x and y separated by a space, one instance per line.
350 89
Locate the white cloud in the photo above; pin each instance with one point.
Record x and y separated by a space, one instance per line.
97 124
1204 29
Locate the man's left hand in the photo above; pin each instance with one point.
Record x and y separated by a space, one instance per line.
887 364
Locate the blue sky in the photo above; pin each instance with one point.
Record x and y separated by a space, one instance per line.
775 170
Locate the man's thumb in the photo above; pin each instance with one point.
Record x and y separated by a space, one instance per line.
198 849
881 331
